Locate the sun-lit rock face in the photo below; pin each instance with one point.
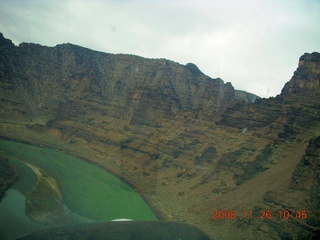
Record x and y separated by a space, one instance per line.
190 143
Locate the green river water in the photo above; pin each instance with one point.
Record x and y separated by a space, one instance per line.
89 192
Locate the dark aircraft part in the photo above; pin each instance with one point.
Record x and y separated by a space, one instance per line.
126 230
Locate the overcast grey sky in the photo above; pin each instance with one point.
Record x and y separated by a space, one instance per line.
254 44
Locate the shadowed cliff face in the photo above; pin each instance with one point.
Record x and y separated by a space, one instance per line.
306 178
190 143
8 175
45 79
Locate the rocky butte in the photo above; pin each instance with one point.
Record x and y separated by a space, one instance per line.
191 144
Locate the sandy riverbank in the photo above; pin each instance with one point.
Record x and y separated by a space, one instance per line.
44 203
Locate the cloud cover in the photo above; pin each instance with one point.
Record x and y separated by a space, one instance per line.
255 44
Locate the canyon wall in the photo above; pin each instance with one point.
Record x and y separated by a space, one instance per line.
188 142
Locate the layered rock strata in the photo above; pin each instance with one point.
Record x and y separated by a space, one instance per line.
187 141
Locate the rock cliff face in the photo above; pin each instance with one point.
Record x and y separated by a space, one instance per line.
8 174
190 143
306 79
306 178
35 75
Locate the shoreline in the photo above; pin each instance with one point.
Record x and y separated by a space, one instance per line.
160 214
52 199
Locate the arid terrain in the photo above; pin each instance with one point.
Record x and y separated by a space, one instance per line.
191 144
